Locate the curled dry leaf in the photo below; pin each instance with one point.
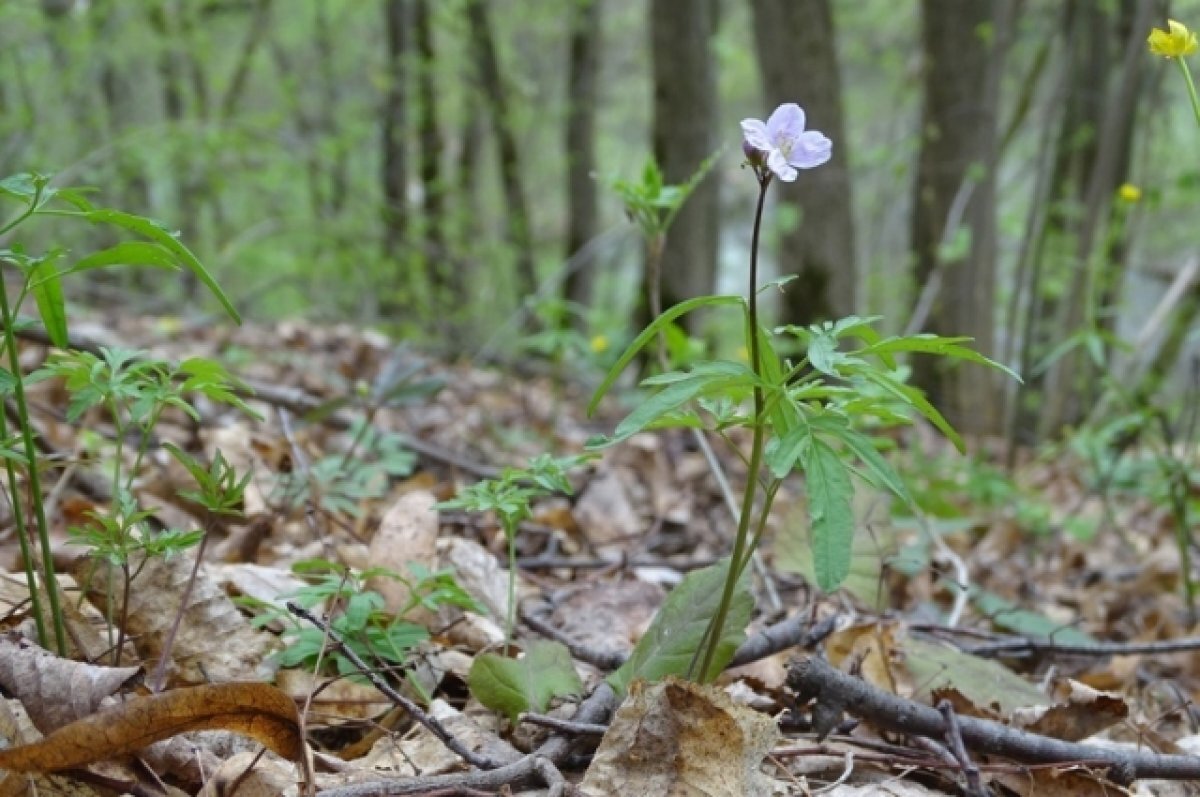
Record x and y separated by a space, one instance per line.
210 614
246 775
257 710
1079 712
56 691
676 737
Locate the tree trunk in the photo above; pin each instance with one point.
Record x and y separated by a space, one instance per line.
582 215
394 160
512 178
441 270
957 166
798 63
685 113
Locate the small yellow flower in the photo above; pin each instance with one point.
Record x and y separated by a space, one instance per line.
599 344
1175 42
1128 192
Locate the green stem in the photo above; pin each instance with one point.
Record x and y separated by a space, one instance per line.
1191 87
741 549
35 594
35 486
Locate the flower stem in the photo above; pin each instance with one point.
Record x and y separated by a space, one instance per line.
1191 87
741 549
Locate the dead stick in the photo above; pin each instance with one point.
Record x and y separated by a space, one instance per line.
836 692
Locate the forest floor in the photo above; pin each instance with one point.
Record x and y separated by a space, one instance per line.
1042 617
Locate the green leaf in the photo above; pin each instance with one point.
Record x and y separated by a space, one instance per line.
128 253
984 682
46 285
935 344
648 334
161 236
704 379
916 399
865 450
782 452
829 495
512 686
670 644
1011 617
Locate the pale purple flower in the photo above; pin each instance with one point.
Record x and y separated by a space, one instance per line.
785 144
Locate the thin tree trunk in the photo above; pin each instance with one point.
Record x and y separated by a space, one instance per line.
394 163
1071 381
435 255
798 63
512 178
582 214
685 113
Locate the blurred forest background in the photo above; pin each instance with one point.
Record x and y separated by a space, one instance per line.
1021 172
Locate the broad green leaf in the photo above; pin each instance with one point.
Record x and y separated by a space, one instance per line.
670 644
823 353
164 238
1011 617
984 682
916 399
128 253
648 334
829 495
46 285
512 686
793 553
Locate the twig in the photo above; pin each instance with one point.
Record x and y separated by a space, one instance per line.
959 750
431 724
569 727
542 762
837 692
1027 647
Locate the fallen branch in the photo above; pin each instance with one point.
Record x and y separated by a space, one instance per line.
837 693
1027 647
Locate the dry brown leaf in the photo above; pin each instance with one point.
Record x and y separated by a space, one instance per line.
680 738
257 710
605 512
1079 712
608 615
210 615
16 728
56 691
407 535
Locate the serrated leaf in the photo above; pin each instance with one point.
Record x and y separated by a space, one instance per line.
912 396
45 284
672 640
704 379
865 450
829 495
935 344
512 686
648 335
782 452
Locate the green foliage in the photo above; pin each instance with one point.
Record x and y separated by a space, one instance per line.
359 619
670 645
342 482
510 495
513 686
135 390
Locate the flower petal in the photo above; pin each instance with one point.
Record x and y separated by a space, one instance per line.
812 149
779 164
755 133
786 123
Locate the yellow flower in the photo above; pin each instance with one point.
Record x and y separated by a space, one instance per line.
1176 43
1128 192
599 344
